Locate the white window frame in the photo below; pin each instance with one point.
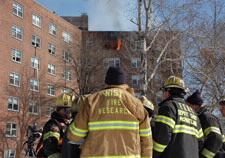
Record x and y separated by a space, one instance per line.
66 91
66 56
52 49
52 29
135 62
17 32
16 56
67 75
34 85
9 132
35 63
136 80
33 108
51 89
67 37
10 153
36 20
52 69
18 9
36 41
137 45
15 79
111 62
13 102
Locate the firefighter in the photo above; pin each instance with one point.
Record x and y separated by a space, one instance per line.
210 125
113 122
72 149
177 132
51 142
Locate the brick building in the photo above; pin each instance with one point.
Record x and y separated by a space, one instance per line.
35 49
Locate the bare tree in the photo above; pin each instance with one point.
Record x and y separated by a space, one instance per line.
205 67
31 108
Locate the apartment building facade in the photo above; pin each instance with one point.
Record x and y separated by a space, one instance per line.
35 50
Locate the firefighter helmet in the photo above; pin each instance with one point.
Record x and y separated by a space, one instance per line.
77 101
147 103
64 100
174 82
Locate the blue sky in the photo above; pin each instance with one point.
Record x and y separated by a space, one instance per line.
104 15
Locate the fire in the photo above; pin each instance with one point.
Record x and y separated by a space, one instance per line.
119 43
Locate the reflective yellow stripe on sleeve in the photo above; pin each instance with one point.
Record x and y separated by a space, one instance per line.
113 125
145 132
166 120
223 138
209 130
158 147
200 133
51 134
207 153
76 131
55 155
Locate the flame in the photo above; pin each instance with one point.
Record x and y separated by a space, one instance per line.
119 43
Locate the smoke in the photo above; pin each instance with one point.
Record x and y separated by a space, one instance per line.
107 15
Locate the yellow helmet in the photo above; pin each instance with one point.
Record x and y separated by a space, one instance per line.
64 100
77 101
174 82
147 103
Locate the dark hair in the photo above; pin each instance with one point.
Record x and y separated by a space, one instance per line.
175 91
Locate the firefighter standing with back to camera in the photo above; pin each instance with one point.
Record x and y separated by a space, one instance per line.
113 122
211 127
177 132
51 142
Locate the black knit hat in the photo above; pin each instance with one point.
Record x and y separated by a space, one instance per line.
195 98
115 76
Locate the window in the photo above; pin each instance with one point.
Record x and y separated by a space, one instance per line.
50 110
13 104
35 63
11 130
135 62
138 45
18 9
52 29
111 62
15 79
52 49
67 37
36 41
67 75
16 56
66 90
17 32
51 69
89 44
67 56
51 90
34 85
136 79
138 95
10 153
37 21
33 108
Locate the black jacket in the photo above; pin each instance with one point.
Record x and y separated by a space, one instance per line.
177 132
212 133
52 137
